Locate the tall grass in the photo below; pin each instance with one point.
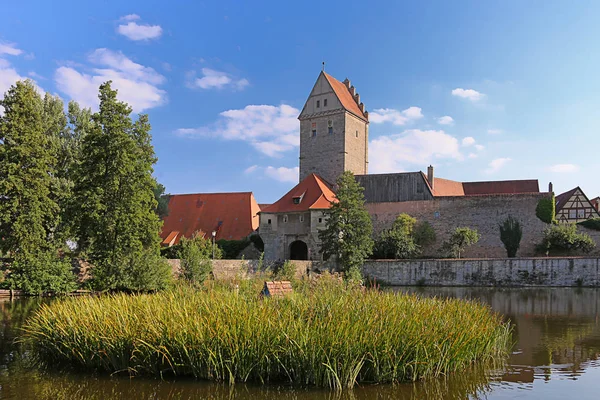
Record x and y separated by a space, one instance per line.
325 334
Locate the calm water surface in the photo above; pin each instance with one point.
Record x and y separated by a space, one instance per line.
556 331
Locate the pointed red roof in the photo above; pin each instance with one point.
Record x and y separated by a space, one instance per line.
345 97
232 215
313 194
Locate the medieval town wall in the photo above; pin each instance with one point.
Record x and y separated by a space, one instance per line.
483 213
573 271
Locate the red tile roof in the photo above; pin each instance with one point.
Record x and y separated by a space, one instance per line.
345 97
277 289
314 194
446 187
232 215
501 187
562 198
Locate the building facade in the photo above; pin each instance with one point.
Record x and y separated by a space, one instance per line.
574 206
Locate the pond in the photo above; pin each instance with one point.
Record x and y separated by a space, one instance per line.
556 356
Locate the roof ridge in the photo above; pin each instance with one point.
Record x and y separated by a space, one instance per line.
213 193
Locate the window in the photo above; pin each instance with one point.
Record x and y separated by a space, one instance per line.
314 133
302 218
320 220
269 221
356 133
285 219
580 213
318 104
572 214
296 200
330 130
325 103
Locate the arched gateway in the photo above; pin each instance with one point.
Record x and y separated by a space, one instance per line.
298 250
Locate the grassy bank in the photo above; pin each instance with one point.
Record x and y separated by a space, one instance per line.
324 335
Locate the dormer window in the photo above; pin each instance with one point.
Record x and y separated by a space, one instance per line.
296 200
318 103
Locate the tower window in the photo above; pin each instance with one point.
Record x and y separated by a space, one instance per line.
314 133
325 103
320 220
285 218
302 218
356 133
318 103
330 130
269 221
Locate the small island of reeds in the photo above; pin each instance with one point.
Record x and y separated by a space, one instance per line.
324 334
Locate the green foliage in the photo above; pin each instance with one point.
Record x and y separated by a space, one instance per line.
286 272
325 334
30 192
232 248
347 235
511 234
162 200
424 234
258 242
546 210
562 239
458 242
404 239
113 207
195 256
171 252
593 224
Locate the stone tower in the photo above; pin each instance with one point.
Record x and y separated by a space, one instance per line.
334 131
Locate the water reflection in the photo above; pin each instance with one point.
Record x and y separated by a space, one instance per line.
556 331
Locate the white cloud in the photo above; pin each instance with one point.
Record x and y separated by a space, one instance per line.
137 84
396 117
272 130
479 147
413 147
563 168
130 17
250 169
468 141
283 174
470 94
473 155
494 131
497 164
10 49
134 31
35 75
446 120
213 79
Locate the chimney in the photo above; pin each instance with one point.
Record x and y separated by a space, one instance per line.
347 83
362 107
550 188
430 176
352 91
357 98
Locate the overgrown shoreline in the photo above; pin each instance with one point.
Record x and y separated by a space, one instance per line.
325 335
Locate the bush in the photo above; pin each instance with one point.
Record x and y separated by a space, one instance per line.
424 234
398 242
511 234
328 335
232 248
42 272
546 210
458 242
564 239
195 257
593 224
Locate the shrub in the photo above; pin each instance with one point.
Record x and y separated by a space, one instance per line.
195 256
328 335
564 239
458 242
511 234
593 224
546 210
424 234
398 241
232 248
41 272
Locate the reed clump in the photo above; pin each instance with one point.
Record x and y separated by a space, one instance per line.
326 334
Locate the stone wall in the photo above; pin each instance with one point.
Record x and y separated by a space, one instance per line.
239 269
575 271
483 213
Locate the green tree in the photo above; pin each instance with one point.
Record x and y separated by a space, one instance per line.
162 200
511 234
195 256
458 242
424 234
398 241
347 235
546 210
113 199
563 239
29 202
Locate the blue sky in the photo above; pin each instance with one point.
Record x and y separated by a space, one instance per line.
482 90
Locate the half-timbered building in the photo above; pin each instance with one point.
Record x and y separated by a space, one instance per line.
574 206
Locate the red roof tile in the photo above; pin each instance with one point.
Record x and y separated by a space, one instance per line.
501 187
232 215
446 187
314 193
277 288
345 97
